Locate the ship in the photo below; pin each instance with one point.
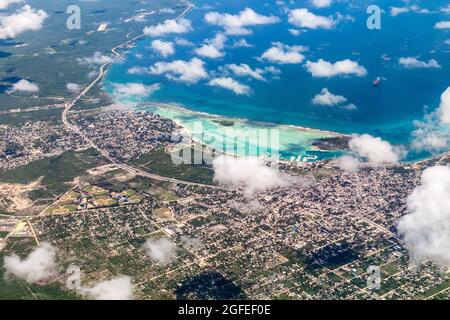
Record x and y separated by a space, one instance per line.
376 82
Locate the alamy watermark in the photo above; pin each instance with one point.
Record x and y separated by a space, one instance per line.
203 146
374 20
73 22
373 278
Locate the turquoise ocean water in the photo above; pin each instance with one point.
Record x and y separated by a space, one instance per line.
387 111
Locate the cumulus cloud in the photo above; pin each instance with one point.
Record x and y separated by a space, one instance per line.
183 42
375 150
73 87
395 11
446 9
321 3
39 265
426 226
283 54
213 48
241 43
326 98
414 63
25 86
295 32
209 51
251 173
327 69
119 288
433 134
348 164
303 18
162 251
442 25
179 70
430 136
24 19
135 89
444 107
97 58
6 3
168 27
250 206
244 70
230 84
164 48
238 24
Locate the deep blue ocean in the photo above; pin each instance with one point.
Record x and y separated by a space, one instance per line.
387 111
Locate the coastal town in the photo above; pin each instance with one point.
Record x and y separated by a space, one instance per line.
311 240
107 192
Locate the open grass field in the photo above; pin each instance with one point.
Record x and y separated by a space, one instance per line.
12 288
159 162
57 171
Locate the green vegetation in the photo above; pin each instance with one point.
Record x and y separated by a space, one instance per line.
159 162
12 288
57 171
225 123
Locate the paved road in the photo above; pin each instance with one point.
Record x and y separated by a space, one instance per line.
104 153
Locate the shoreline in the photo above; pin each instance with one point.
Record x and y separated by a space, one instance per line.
177 107
243 121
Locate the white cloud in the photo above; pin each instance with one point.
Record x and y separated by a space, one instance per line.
135 89
179 70
428 136
230 84
97 58
162 251
25 86
426 226
238 24
183 42
375 150
283 54
442 25
295 32
326 69
321 3
209 51
433 134
242 43
6 3
39 265
395 11
446 9
414 63
248 172
167 27
24 19
326 98
244 70
119 288
303 18
348 164
164 48
212 48
349 107
73 87
444 107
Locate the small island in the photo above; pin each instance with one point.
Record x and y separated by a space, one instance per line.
332 143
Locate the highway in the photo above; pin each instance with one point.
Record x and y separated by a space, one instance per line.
104 153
